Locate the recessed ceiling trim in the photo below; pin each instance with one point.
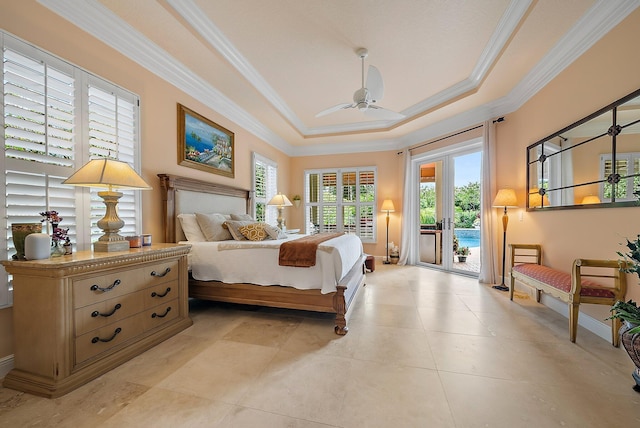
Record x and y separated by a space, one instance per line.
508 23
97 20
217 40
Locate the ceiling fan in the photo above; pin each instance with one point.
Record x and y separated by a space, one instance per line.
365 98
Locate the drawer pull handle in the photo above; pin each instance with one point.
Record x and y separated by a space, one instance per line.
160 275
154 294
115 333
98 314
154 315
95 287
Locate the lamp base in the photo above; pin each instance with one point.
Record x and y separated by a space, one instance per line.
501 287
386 262
110 246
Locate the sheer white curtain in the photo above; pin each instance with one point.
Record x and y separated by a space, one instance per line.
488 262
408 210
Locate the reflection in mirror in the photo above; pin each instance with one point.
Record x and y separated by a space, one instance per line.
594 162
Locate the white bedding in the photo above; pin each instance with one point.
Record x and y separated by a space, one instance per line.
257 263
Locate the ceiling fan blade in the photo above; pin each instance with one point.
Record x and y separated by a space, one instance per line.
375 86
334 108
378 112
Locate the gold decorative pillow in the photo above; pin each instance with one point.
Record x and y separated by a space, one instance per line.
254 231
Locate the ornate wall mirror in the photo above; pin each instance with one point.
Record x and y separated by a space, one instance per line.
594 162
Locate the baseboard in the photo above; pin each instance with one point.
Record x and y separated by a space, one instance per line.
592 324
6 364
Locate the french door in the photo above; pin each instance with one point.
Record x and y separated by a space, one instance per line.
448 230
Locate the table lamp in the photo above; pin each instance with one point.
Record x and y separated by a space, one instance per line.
280 201
110 174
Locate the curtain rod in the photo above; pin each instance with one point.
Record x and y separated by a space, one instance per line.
500 119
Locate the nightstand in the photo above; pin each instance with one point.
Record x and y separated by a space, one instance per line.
76 317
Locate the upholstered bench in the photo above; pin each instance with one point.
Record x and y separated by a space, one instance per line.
575 287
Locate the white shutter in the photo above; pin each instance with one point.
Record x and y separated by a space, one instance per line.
39 119
265 185
47 105
341 200
113 134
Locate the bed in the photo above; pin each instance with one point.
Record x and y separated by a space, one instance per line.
336 295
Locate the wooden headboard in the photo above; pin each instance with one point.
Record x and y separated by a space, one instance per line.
188 195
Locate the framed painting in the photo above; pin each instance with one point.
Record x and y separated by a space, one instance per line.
203 144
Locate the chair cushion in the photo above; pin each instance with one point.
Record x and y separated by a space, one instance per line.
560 280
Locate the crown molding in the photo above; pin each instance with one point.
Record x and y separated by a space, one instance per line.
591 27
99 21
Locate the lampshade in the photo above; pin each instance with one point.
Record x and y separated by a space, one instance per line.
110 174
590 199
280 200
506 198
387 206
107 173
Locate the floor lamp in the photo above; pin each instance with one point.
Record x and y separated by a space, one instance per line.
506 198
387 206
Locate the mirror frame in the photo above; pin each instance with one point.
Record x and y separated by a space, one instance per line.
613 131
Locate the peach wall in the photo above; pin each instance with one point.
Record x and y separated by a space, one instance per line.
606 72
390 170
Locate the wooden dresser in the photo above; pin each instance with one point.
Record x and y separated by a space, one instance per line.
79 316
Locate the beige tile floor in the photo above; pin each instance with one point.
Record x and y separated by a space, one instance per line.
425 349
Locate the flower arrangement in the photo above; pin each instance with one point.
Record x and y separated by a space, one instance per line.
58 234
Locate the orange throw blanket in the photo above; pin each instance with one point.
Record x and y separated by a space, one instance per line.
302 252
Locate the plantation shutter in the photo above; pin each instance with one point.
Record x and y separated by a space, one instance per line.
113 134
265 186
56 117
341 200
39 121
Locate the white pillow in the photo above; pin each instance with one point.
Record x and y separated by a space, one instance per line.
211 225
191 228
274 232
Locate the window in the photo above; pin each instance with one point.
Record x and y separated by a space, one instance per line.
265 187
342 200
56 117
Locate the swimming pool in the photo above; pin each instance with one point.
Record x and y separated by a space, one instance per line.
468 237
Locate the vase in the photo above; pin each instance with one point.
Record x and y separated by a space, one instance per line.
19 232
37 246
394 258
462 259
631 343
57 249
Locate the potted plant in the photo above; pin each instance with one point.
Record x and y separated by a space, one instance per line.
629 311
462 253
296 200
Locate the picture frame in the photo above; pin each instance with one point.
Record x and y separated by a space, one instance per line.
204 145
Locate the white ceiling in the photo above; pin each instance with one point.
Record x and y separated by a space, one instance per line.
271 65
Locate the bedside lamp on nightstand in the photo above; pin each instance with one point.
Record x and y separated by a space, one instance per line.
110 174
280 201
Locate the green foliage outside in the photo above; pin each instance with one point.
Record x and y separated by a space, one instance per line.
466 205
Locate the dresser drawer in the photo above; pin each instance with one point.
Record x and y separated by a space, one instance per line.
92 317
158 273
161 314
105 338
159 294
96 289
